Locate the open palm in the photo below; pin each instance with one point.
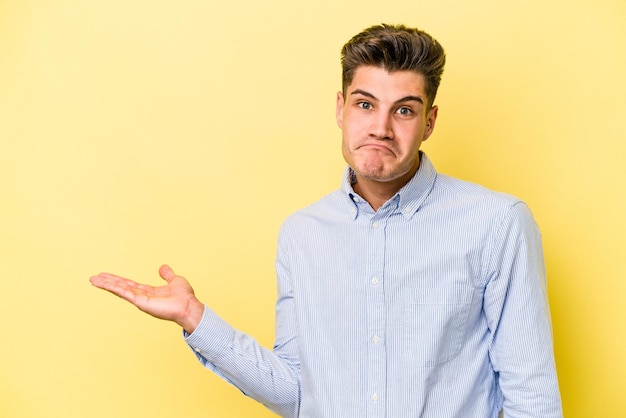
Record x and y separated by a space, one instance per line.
174 301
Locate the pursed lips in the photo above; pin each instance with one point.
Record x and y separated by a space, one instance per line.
376 147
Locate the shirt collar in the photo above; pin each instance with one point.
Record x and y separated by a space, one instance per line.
410 197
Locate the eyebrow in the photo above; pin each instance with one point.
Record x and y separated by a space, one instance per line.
402 100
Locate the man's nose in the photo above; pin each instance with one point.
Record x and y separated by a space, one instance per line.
381 127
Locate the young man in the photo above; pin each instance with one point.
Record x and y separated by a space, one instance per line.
406 293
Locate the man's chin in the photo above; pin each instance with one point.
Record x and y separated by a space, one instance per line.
382 174
375 175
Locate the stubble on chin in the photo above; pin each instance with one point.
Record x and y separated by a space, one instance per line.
372 169
373 164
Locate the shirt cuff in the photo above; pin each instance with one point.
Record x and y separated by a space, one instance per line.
211 337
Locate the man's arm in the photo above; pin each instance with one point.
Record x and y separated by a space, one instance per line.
518 315
271 378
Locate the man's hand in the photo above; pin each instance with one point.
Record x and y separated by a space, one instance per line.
174 301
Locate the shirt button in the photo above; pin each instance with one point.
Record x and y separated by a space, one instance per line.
376 339
197 350
375 397
374 280
375 225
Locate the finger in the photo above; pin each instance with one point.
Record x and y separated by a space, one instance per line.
115 285
167 273
104 278
99 280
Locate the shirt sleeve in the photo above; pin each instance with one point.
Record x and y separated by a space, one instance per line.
272 377
518 316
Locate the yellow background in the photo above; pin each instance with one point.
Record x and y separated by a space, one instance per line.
136 132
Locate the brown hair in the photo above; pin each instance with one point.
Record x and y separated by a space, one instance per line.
395 48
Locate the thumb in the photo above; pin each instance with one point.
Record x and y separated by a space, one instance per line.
167 273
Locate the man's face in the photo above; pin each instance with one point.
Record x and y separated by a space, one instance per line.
384 119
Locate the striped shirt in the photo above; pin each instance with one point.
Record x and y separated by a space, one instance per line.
434 306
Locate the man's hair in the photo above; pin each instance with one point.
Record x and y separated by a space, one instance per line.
395 48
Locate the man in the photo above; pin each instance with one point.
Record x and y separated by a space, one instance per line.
406 293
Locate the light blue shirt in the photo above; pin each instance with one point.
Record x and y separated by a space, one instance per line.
434 306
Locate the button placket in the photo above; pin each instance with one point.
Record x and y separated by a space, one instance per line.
376 358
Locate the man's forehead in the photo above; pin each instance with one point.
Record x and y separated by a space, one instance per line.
377 81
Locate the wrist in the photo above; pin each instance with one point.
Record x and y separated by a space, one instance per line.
192 318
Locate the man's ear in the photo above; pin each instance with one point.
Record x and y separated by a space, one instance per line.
339 110
430 122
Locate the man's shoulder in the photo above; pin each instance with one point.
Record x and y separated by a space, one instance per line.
453 198
334 201
452 188
331 206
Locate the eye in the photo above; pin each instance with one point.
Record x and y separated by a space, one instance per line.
364 105
404 111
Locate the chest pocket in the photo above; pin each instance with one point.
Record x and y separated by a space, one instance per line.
435 320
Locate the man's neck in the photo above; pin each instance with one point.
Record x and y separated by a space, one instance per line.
376 193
